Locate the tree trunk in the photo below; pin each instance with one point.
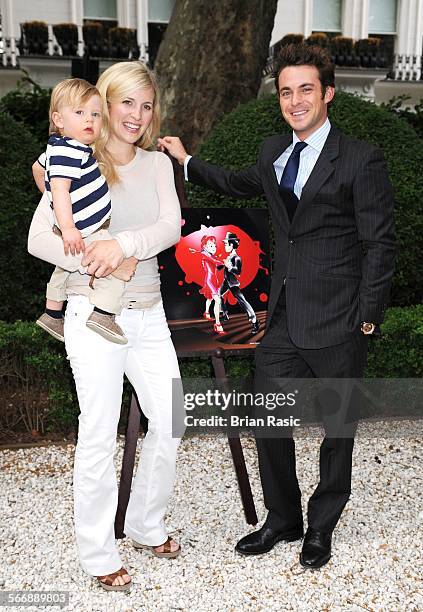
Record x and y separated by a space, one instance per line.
210 60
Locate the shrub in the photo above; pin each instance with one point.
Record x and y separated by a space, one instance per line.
35 37
67 36
235 141
122 41
94 39
398 352
29 103
318 38
23 277
412 114
38 392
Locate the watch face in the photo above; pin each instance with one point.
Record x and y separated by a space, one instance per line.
367 327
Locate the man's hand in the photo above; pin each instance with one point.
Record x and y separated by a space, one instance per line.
102 257
72 241
175 147
126 270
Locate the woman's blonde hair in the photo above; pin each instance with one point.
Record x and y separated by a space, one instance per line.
70 92
114 85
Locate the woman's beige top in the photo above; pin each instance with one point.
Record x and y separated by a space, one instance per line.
146 219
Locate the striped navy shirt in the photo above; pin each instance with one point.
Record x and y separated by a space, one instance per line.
89 193
308 157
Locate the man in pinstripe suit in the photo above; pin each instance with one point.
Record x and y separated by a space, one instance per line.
331 204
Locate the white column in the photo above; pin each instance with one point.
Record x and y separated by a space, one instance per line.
347 22
419 28
404 16
123 13
77 17
417 51
409 40
77 12
142 28
364 22
308 18
9 30
355 18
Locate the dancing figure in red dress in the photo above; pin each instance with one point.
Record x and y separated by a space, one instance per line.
211 264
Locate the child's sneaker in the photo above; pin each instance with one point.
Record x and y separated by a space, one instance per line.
106 326
51 325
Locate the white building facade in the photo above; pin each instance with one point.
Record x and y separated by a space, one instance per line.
398 22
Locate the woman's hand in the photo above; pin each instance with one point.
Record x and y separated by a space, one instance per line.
126 270
102 257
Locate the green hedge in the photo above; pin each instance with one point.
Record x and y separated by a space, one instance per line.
235 141
398 352
34 366
37 378
30 107
412 114
23 277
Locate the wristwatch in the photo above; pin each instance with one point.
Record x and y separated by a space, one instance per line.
367 328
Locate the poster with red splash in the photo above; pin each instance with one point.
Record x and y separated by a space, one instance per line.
216 280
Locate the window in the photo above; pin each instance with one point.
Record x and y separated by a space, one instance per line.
100 10
160 11
327 15
383 16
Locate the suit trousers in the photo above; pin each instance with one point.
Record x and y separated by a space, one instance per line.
149 361
240 298
278 357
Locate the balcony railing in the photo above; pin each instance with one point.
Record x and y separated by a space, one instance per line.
408 67
399 67
46 46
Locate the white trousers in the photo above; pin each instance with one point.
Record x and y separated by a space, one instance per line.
149 361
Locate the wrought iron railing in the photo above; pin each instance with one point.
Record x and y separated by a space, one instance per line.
46 45
400 67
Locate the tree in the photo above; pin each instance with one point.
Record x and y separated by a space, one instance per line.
210 60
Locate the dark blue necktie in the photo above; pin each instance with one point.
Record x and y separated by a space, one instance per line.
289 176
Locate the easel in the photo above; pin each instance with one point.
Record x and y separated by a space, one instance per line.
135 418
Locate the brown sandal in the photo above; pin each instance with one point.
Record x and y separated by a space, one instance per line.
167 553
107 581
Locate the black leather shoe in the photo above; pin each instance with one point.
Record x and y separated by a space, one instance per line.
263 540
316 550
224 316
255 327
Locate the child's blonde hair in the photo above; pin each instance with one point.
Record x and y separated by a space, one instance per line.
114 85
70 92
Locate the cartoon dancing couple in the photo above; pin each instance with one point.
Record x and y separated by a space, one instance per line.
212 291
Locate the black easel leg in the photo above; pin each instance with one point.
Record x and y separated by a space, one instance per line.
237 455
131 437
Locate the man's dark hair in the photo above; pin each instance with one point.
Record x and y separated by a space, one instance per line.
234 242
303 54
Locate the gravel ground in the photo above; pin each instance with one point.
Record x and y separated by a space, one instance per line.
377 547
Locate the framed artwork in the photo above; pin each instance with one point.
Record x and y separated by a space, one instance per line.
215 282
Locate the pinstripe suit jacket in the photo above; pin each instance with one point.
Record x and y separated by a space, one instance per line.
336 258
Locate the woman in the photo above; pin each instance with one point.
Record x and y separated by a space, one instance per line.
211 264
145 220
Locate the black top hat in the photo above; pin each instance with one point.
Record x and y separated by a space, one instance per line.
230 236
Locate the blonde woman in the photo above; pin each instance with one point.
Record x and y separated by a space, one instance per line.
145 220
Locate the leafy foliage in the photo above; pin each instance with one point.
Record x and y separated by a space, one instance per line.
36 380
412 114
23 277
29 103
398 352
